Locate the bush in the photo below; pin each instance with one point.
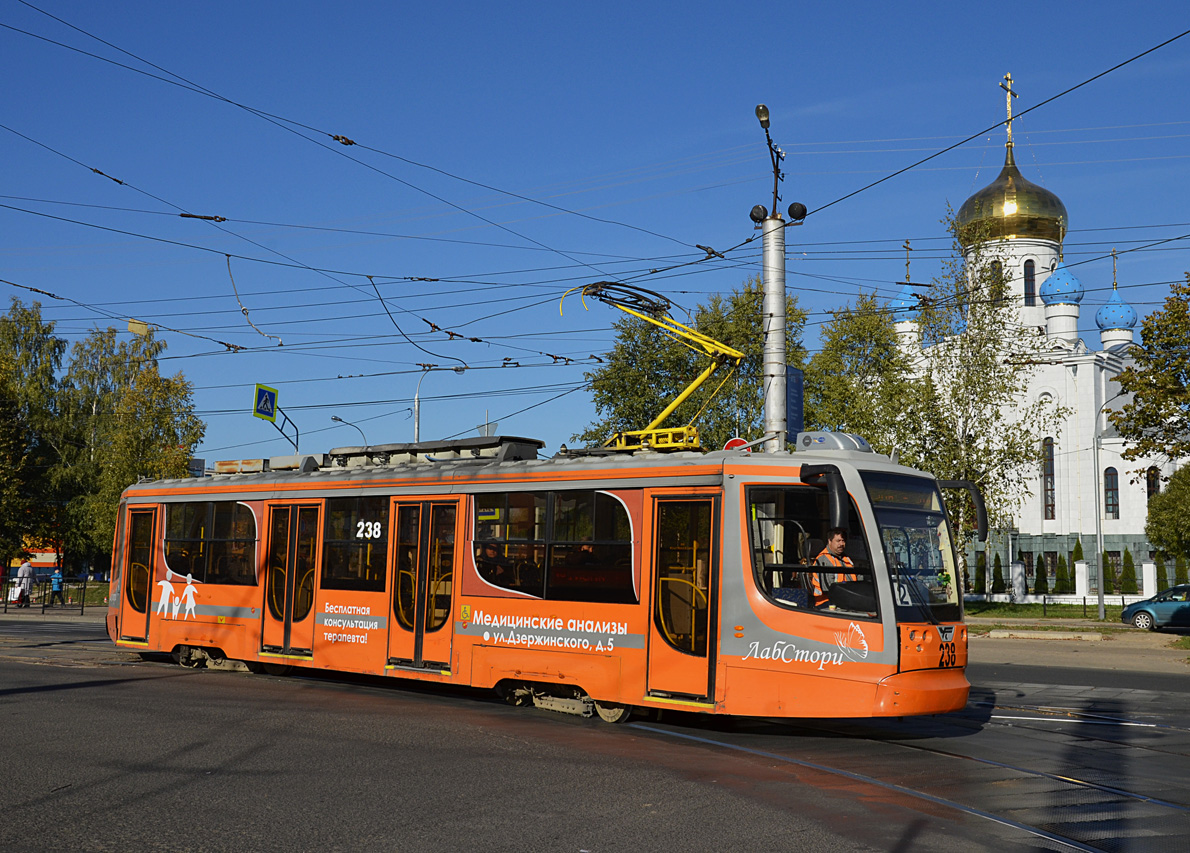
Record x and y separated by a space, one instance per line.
1041 581
1162 577
1128 575
981 573
1078 551
1179 570
1062 577
997 575
1107 577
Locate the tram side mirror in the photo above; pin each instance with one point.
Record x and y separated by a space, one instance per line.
836 491
981 513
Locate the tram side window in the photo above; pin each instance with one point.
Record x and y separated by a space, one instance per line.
212 541
562 546
355 544
788 528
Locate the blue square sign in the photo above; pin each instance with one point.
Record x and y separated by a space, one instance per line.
266 403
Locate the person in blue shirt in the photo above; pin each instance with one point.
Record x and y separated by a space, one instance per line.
56 587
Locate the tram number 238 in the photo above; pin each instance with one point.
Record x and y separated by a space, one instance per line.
946 655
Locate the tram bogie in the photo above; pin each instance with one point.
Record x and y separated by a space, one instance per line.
590 584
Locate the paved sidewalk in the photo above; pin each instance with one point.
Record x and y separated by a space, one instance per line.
91 614
1057 642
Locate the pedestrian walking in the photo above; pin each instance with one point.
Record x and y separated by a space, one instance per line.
56 587
25 583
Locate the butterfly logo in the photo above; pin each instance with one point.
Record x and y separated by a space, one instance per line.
852 644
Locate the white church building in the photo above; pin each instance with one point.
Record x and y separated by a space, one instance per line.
1084 489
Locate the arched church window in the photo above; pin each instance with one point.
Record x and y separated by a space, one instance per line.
1047 479
1111 493
1030 282
1152 482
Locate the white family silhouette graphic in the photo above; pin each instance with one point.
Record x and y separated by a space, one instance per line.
169 601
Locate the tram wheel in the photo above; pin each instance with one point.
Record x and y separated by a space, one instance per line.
516 695
276 668
187 657
613 713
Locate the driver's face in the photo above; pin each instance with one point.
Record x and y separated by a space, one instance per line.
837 544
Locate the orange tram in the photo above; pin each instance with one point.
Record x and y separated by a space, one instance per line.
590 582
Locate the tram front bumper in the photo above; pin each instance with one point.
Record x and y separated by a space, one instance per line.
923 691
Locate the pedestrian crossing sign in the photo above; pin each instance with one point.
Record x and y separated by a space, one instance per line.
266 403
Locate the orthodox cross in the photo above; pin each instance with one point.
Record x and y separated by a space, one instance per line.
908 249
1113 268
1009 95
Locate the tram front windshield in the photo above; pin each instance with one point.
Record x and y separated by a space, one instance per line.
918 546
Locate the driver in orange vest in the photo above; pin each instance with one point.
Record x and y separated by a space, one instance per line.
833 556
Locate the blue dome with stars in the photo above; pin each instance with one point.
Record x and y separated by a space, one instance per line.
1115 314
1061 288
904 305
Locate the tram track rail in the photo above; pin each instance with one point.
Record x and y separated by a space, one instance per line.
1035 831
1080 830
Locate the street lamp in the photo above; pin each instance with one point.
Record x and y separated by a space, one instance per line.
425 369
1099 561
773 309
417 403
338 419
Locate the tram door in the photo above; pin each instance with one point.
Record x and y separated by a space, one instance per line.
292 549
138 576
423 583
685 567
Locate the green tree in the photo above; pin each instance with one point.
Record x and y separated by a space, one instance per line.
1041 581
30 355
975 370
1128 574
1110 580
15 461
981 573
1078 550
861 380
1162 573
1156 419
1062 576
997 575
647 368
1179 570
1168 524
129 420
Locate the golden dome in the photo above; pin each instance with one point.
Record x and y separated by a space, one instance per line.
1011 206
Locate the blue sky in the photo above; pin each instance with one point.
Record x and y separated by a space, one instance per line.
640 115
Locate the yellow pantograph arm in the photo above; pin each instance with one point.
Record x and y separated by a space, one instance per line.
720 354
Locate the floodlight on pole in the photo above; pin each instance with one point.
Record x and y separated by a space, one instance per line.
773 310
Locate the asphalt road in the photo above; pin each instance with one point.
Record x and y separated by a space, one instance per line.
105 751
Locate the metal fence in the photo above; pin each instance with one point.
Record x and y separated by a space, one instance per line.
1089 603
37 594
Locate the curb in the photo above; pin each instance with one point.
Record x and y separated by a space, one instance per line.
1003 634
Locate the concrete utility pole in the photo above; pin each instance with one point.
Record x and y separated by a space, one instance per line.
773 276
774 332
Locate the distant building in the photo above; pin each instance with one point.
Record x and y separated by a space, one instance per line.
1023 225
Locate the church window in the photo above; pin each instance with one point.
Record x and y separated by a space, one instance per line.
1111 493
1030 283
1152 482
1047 478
